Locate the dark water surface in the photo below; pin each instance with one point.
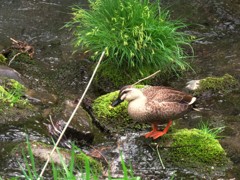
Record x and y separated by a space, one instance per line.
40 24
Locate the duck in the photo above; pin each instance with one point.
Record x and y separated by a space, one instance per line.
156 105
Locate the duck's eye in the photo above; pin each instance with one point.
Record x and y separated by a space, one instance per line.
124 92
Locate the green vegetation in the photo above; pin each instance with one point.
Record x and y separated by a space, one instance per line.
63 171
114 119
196 148
80 166
222 84
3 59
213 132
139 37
11 93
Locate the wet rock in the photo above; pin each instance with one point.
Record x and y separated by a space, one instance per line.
80 129
7 72
41 152
14 107
193 85
42 97
184 153
9 162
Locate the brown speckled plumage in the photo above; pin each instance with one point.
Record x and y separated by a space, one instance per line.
155 104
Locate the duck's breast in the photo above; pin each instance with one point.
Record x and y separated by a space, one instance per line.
137 110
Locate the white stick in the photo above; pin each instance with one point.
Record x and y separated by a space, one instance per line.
146 77
72 115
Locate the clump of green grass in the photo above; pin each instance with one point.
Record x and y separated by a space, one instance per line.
138 35
11 93
212 132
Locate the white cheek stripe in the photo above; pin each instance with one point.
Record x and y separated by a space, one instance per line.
123 97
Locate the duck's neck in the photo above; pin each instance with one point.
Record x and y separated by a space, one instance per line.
137 108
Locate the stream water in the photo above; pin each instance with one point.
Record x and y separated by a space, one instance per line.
216 23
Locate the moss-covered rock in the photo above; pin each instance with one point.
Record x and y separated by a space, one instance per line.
195 148
114 119
11 92
222 84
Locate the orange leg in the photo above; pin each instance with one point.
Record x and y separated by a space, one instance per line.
154 129
155 133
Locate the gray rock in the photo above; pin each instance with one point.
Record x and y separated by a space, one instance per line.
80 129
7 72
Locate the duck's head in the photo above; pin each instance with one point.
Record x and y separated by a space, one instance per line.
127 93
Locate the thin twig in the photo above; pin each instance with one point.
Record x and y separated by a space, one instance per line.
72 115
146 77
13 40
54 127
160 159
13 58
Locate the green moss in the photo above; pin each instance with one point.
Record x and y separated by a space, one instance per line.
114 119
195 148
11 92
215 84
3 59
81 159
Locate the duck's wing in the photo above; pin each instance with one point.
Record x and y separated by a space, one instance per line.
165 94
166 110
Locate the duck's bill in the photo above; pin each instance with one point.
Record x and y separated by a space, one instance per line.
116 102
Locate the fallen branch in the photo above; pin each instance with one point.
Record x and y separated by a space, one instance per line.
152 75
159 156
13 58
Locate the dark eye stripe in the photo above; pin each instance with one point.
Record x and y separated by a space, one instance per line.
124 92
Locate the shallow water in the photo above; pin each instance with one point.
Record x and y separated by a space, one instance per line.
216 25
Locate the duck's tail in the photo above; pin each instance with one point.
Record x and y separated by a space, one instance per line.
192 100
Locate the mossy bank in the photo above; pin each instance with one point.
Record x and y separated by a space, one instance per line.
194 150
224 84
114 119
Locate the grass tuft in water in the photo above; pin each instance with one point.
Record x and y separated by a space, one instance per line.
213 132
138 35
